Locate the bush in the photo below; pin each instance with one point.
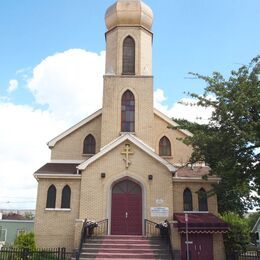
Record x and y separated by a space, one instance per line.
238 236
25 241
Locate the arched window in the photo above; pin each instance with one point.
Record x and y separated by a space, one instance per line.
187 200
128 112
51 197
65 199
129 56
89 145
164 147
203 200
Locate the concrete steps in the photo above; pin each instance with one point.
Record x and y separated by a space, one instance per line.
124 247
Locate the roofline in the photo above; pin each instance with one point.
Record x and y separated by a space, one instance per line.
52 142
38 176
171 122
256 224
195 179
134 140
17 220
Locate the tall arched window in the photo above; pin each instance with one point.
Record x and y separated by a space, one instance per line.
164 147
187 200
51 197
89 145
129 56
65 199
203 200
128 112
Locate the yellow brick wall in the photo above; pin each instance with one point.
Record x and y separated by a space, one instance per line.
71 147
180 152
143 50
56 228
194 186
96 192
114 88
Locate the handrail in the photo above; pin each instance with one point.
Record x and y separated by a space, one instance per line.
90 228
152 229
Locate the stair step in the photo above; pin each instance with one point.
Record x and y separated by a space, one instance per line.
124 250
129 246
123 256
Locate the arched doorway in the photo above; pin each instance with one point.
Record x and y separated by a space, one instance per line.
126 209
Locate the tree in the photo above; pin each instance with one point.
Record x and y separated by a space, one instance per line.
230 142
252 218
238 236
25 241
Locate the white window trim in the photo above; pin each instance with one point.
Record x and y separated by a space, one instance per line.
58 209
4 235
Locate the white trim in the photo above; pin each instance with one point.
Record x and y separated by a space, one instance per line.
67 161
5 235
38 176
57 209
171 122
52 142
255 226
135 141
16 220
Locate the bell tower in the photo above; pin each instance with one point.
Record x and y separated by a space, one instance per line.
128 82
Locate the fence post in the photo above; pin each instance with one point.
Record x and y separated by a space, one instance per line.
25 254
63 253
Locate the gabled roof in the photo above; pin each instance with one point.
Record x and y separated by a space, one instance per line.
255 226
73 128
52 142
133 139
171 122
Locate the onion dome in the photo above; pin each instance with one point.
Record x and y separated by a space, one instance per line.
129 12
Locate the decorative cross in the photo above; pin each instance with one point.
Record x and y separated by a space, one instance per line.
127 152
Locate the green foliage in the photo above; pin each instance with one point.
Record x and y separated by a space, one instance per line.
238 236
230 142
252 218
25 241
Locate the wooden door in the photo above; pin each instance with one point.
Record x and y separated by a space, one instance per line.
201 247
126 213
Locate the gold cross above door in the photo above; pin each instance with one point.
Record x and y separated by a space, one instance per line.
127 152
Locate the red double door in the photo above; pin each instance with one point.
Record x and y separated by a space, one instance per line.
126 215
200 247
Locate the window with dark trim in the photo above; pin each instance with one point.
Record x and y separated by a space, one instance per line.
89 146
164 147
128 112
203 200
51 197
65 199
187 200
128 56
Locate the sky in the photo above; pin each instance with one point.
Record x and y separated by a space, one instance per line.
52 56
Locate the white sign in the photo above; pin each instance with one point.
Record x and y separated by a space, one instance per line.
159 212
159 201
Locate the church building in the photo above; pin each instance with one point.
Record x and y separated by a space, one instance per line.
124 164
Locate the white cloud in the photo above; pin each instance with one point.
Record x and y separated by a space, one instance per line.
190 112
24 133
70 83
13 84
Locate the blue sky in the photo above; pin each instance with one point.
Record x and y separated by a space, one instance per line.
44 45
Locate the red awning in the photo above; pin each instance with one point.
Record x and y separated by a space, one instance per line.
200 223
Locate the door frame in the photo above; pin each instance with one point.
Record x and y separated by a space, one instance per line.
120 178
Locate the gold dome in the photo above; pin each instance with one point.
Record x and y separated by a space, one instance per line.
129 12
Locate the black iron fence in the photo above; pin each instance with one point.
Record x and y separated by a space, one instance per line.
249 255
39 254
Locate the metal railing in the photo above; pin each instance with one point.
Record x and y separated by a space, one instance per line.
91 229
150 229
9 253
153 230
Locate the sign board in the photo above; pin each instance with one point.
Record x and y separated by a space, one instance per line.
160 212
